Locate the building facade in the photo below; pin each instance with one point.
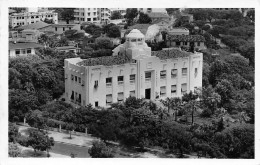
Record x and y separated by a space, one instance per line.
133 70
196 41
26 18
93 15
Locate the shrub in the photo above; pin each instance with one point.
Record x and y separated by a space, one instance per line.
100 150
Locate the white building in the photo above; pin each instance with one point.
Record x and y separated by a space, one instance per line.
122 11
26 18
133 70
22 49
151 10
93 15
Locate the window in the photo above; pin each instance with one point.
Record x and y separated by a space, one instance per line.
109 81
196 72
63 28
120 79
148 76
184 71
72 77
120 96
174 73
88 14
96 104
198 43
32 17
56 29
79 80
178 43
174 89
109 99
132 93
94 19
133 40
163 74
37 16
89 19
96 84
132 78
79 99
69 28
184 88
76 78
17 52
94 13
83 83
163 91
185 43
72 95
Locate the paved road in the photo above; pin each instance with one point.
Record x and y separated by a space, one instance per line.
66 149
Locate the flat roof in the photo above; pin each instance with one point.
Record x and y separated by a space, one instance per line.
24 45
170 53
37 25
106 61
185 38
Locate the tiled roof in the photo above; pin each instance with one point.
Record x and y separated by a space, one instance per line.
171 53
37 25
23 45
185 38
106 60
66 47
158 15
142 27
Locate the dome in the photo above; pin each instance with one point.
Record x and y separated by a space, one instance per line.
135 34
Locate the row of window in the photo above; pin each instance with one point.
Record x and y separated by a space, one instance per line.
76 78
56 28
23 51
120 97
173 89
185 43
32 17
174 73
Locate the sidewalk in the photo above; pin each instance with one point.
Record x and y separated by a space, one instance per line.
29 152
64 138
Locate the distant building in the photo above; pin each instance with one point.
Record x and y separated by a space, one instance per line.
122 11
151 10
157 16
178 31
22 49
93 15
185 40
134 70
27 35
67 49
26 18
34 26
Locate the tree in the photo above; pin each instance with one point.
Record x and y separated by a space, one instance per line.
70 127
44 39
210 100
68 14
225 89
251 14
94 30
14 150
144 18
100 150
35 119
190 103
38 140
172 11
48 21
12 133
131 13
114 32
103 43
116 15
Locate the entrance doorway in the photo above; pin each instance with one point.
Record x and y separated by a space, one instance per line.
148 93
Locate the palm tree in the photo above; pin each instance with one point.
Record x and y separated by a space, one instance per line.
192 106
176 104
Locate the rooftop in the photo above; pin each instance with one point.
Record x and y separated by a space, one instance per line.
105 60
23 45
135 34
142 27
170 53
185 38
37 25
158 15
66 47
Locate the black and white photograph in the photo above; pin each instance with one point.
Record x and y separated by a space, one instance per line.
174 83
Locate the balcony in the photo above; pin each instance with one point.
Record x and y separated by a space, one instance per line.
120 82
109 85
